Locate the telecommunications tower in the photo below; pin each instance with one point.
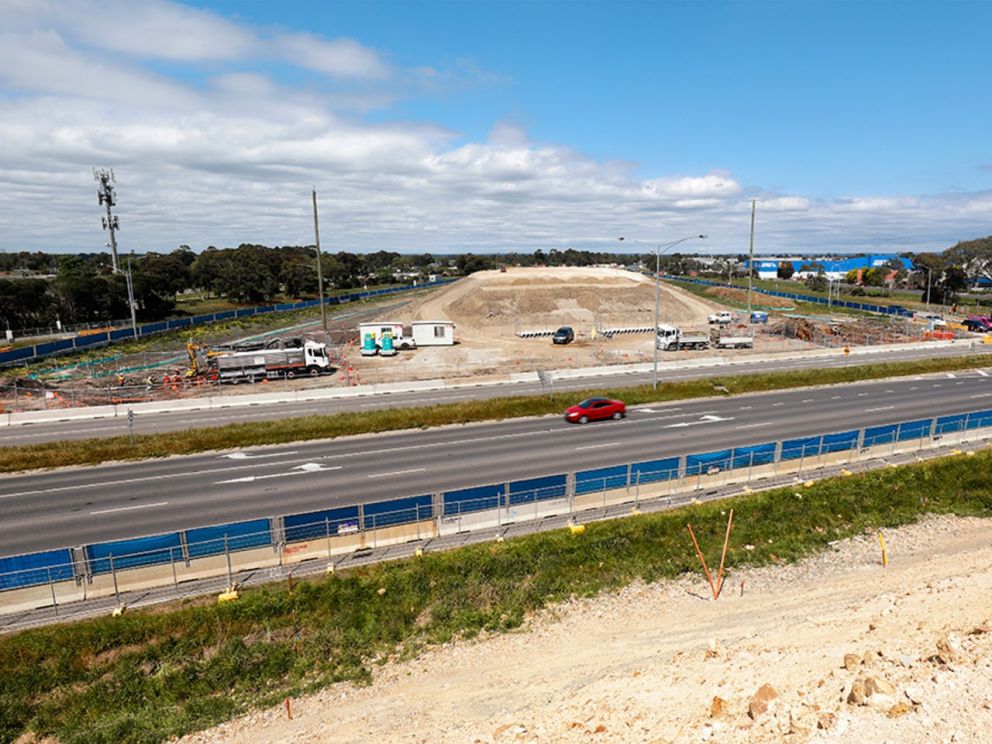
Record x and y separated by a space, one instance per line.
107 199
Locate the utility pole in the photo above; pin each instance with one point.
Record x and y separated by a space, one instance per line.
130 296
106 198
320 269
750 273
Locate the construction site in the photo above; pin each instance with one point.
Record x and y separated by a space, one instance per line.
502 322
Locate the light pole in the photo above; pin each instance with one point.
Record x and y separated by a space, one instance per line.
657 289
929 276
130 296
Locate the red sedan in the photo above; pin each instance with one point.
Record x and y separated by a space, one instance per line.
596 408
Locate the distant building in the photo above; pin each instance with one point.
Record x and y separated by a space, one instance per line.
833 268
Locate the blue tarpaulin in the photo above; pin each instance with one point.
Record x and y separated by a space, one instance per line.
35 568
794 449
398 511
845 440
653 471
478 498
979 419
140 551
914 429
329 522
707 462
240 536
537 489
879 435
948 424
600 479
758 454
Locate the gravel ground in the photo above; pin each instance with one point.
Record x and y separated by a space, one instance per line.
835 649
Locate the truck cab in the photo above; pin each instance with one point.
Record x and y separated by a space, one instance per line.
721 318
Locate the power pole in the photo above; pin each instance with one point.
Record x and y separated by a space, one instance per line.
130 298
750 273
320 269
107 199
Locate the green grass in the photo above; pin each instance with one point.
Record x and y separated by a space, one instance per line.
94 451
147 676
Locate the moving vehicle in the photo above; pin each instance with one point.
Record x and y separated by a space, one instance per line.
592 409
564 335
308 358
721 318
933 319
977 324
671 338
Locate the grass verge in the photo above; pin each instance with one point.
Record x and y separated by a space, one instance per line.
95 451
148 676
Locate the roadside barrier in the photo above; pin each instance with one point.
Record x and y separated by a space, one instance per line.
53 577
535 334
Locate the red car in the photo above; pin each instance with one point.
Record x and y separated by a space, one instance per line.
596 408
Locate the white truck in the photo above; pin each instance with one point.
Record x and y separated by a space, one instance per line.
310 358
671 338
735 342
402 335
721 318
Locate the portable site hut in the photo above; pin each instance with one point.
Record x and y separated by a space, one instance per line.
433 332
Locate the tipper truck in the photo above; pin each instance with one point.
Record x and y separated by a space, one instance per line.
671 338
239 366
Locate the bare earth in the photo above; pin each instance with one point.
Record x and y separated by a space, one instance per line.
644 664
490 307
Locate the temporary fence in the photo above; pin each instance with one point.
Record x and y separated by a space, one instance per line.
54 577
103 337
896 310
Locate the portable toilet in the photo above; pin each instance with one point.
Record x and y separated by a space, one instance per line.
759 316
368 345
387 348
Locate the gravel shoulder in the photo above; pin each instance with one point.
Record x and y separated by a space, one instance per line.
664 662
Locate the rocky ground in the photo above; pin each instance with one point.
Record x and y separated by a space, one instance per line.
835 649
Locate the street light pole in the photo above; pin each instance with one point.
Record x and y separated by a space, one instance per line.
929 277
130 297
657 291
320 269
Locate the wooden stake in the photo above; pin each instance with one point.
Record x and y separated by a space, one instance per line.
885 555
723 557
702 560
289 710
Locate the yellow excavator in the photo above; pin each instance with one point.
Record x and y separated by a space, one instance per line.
194 364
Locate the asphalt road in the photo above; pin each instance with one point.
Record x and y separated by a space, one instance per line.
82 505
149 423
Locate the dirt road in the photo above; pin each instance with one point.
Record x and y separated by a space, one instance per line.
664 662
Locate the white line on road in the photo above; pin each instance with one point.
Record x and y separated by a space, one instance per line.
746 408
309 467
951 375
396 472
249 456
597 446
982 395
808 400
129 508
982 372
755 426
880 408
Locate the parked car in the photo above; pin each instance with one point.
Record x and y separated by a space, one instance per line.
722 318
592 409
933 319
563 335
977 324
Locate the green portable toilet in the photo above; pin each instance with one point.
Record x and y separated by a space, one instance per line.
387 348
368 345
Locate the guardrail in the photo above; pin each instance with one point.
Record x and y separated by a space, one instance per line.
51 577
94 340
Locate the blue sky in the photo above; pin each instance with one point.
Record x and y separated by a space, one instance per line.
486 126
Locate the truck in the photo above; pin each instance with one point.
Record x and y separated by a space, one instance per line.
721 318
308 358
735 341
671 338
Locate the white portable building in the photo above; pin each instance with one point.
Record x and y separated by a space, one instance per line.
433 332
379 328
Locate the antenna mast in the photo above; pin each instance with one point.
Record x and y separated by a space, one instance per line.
107 199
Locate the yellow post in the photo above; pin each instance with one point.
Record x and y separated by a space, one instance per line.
885 555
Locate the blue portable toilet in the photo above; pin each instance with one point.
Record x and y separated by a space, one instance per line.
368 345
759 316
387 348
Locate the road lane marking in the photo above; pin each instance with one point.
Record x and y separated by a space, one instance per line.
307 467
249 456
880 408
834 397
396 472
982 395
129 508
983 373
755 426
597 446
951 375
808 400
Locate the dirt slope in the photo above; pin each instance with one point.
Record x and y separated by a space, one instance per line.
645 665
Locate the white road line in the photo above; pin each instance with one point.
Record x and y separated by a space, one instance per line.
808 400
755 426
597 446
746 408
780 403
982 395
396 472
129 508
834 397
914 388
862 395
982 372
951 375
880 408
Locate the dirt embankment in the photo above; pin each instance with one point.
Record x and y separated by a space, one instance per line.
841 648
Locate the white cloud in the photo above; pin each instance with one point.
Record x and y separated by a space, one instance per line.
229 153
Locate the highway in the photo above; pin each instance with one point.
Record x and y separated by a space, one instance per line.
150 423
81 505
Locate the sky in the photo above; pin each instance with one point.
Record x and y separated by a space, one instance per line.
491 126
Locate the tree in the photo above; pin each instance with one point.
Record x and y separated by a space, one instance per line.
247 276
973 256
786 269
817 282
852 276
208 267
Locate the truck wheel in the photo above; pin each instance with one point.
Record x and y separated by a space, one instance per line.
314 371
404 347
290 375
583 419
